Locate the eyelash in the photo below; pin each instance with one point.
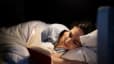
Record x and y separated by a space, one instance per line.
76 43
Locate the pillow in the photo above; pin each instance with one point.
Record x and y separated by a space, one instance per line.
75 54
81 54
89 40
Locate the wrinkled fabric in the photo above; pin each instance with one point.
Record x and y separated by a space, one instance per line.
89 40
13 58
13 40
51 33
81 54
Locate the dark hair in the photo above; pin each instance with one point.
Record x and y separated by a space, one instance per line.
86 26
60 35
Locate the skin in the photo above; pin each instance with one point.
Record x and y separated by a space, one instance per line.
76 32
71 40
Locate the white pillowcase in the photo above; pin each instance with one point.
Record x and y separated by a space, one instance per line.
90 39
75 54
81 54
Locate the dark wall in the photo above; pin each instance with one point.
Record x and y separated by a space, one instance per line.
8 12
62 11
50 11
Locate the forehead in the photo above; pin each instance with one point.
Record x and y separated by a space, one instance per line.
76 30
66 33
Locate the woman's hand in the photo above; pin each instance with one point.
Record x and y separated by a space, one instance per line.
56 58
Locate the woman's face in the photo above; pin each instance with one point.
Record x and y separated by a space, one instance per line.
70 39
76 32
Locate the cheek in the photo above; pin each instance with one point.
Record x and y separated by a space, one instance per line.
69 44
61 41
68 40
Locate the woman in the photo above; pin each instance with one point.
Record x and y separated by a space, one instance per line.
71 39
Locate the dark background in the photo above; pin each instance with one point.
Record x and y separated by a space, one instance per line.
51 11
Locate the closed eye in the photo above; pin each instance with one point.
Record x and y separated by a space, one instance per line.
70 35
77 43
